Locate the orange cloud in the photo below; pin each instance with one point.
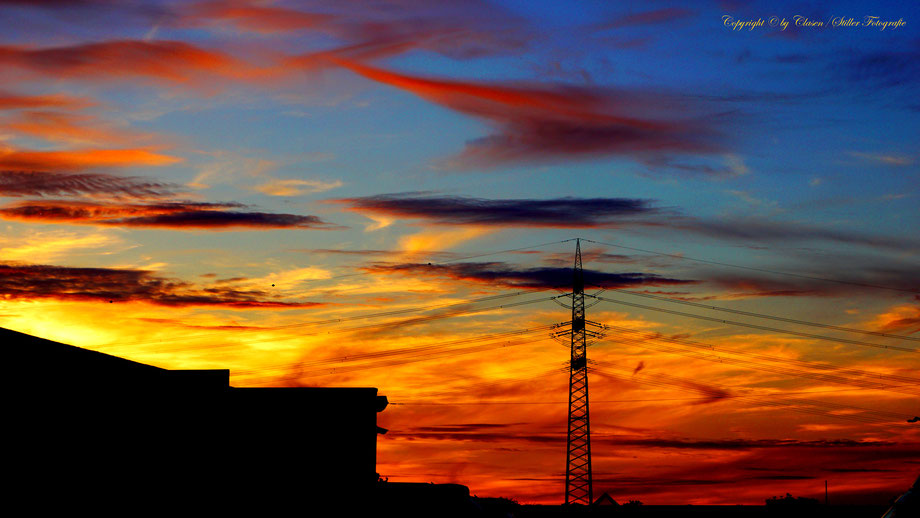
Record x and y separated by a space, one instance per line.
78 160
295 187
903 318
12 101
73 128
441 239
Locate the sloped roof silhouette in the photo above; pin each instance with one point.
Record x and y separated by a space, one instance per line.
24 348
106 433
605 499
38 362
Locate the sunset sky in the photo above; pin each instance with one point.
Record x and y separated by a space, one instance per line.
387 194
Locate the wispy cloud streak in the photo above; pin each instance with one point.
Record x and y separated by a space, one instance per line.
536 122
456 210
167 215
33 183
509 276
81 159
164 61
37 282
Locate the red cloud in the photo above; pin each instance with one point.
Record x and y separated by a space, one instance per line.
255 18
538 123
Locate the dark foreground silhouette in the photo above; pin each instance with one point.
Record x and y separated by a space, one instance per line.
90 431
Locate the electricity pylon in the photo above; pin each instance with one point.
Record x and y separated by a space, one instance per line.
578 487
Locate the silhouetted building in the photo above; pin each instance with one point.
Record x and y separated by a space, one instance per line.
87 430
605 500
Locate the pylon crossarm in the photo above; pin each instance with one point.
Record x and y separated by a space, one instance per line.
595 324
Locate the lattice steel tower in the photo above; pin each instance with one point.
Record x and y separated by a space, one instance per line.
578 463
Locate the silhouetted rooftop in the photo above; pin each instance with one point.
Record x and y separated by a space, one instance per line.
50 365
103 432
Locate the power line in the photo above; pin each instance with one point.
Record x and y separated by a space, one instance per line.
417 320
820 408
719 392
872 416
763 328
357 274
770 317
422 402
486 384
419 348
761 356
785 371
420 358
410 354
340 319
507 251
386 313
764 270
